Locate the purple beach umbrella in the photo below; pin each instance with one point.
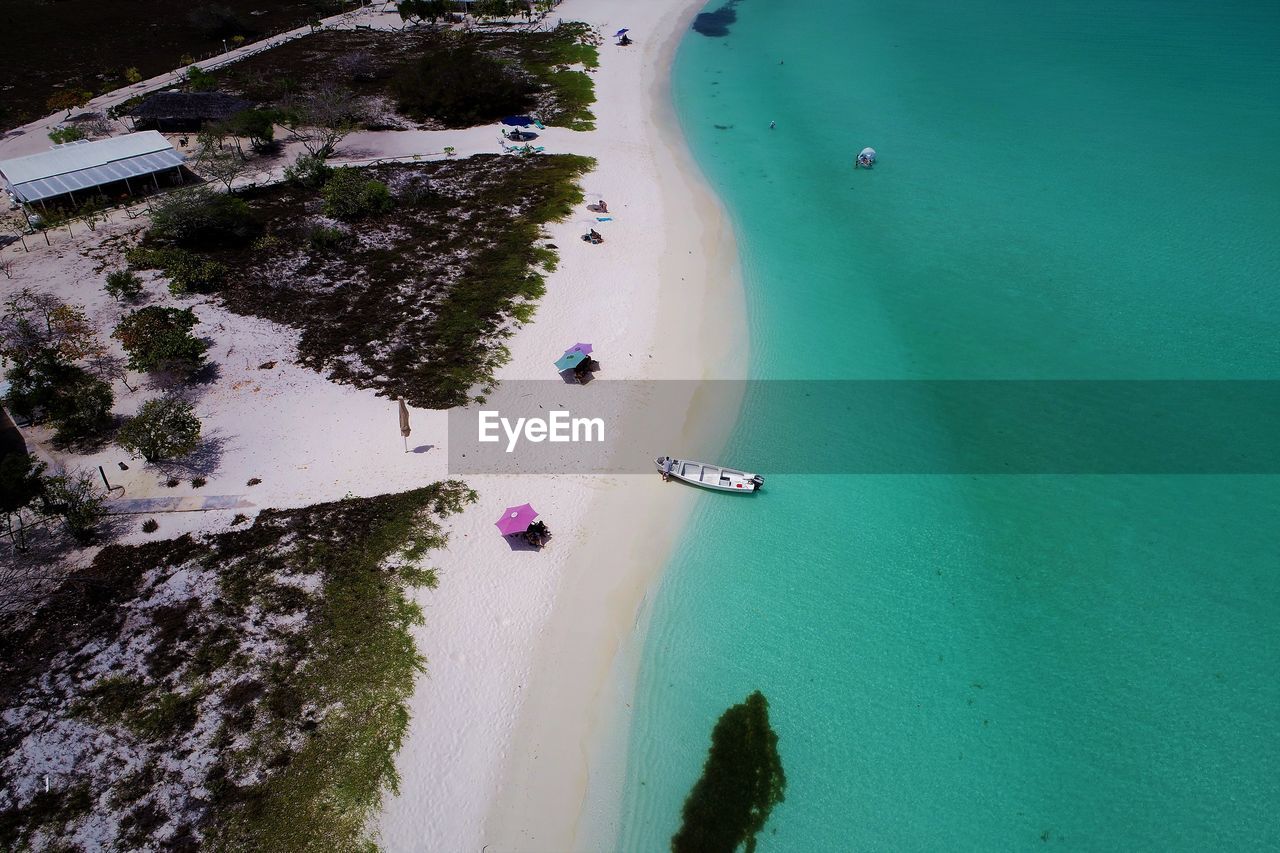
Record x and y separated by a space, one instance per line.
585 349
516 519
620 32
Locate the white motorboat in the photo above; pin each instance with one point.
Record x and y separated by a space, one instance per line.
708 476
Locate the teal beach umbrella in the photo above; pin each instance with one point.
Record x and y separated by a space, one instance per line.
570 360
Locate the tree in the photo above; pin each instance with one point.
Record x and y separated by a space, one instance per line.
51 389
350 196
165 428
217 161
20 484
322 118
68 99
258 126
159 339
199 80
132 74
200 217
34 322
422 10
122 285
76 498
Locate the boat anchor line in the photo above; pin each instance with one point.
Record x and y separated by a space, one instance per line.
715 477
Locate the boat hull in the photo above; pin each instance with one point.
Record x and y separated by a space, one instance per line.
717 478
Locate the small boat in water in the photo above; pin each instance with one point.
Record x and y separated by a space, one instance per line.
708 476
866 159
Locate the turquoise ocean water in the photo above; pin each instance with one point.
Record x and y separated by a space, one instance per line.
1077 190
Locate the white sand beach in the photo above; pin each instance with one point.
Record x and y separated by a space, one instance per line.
528 663
528 680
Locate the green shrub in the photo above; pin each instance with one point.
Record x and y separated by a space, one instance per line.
308 171
75 496
70 133
187 273
199 80
50 388
327 240
349 195
258 126
158 338
200 218
461 86
165 428
122 284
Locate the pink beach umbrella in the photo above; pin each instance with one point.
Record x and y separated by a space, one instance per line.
585 349
516 519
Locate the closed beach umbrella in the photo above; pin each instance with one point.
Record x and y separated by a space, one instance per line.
404 424
516 519
570 360
585 349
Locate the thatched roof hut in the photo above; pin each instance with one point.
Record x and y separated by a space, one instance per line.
186 110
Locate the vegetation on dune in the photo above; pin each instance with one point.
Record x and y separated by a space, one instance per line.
446 78
417 300
201 218
66 52
279 653
742 780
458 84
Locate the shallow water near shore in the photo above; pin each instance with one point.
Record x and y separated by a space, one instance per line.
1083 191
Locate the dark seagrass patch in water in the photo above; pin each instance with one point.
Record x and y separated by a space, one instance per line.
716 24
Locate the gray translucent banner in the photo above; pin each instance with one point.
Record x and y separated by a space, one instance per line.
874 427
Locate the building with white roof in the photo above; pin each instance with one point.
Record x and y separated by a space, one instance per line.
82 166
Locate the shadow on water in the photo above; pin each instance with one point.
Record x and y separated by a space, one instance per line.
716 24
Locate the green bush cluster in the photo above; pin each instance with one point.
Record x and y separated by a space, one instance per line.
187 272
325 240
202 218
199 80
258 126
308 171
69 398
123 284
165 428
158 338
70 133
350 196
461 85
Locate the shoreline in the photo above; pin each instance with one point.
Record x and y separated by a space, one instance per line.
520 727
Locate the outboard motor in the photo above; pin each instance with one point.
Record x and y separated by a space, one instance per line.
758 480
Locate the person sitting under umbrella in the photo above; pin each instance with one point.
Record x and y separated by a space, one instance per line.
537 534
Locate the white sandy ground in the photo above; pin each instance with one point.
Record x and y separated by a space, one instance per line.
530 655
